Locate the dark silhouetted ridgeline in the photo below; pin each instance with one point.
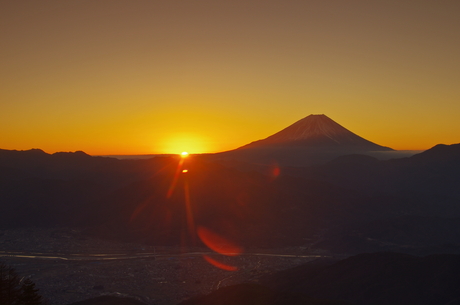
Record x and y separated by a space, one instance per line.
352 204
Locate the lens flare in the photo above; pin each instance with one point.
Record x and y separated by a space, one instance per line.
176 178
274 170
219 264
189 212
218 243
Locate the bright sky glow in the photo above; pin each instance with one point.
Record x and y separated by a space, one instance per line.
137 77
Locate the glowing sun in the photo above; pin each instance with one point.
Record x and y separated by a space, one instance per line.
185 143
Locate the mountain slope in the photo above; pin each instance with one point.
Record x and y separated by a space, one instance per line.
377 279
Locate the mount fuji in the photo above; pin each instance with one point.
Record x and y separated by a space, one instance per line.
317 131
312 140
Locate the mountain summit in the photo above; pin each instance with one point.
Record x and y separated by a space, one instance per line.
317 131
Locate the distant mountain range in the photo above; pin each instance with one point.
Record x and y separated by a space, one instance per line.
352 204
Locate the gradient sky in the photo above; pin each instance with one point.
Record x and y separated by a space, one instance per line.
140 77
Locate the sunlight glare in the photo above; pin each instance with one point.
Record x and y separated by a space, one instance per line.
186 143
184 154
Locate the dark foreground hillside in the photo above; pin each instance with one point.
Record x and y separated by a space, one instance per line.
371 279
255 294
109 300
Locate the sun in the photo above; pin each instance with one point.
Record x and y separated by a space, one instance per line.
185 143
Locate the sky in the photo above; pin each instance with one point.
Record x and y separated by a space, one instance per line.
145 77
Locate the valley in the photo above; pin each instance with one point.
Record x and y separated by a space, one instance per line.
68 267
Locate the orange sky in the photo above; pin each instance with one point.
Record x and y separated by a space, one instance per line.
139 77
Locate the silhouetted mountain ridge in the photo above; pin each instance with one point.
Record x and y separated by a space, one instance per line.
272 206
